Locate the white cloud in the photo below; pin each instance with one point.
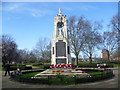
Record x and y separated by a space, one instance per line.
30 9
82 7
11 7
24 8
86 8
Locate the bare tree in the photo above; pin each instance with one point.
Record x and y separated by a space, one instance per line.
0 49
9 49
47 53
32 57
111 39
110 42
23 55
42 49
116 54
115 22
92 39
76 33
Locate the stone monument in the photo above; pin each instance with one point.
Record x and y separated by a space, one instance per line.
60 50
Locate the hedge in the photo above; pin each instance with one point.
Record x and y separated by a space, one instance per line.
60 79
25 77
22 68
93 65
17 64
43 66
95 77
91 70
36 64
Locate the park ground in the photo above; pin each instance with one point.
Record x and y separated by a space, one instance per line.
110 83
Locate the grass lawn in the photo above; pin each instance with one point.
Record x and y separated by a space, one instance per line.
29 74
0 68
96 73
116 65
87 62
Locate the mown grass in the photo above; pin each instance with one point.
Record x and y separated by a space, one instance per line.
96 73
0 68
116 65
28 75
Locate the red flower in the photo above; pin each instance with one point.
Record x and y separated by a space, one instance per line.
61 71
69 70
57 71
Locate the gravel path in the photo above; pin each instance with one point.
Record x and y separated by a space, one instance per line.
111 83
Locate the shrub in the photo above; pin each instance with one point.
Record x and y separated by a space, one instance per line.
17 64
95 77
93 65
21 64
91 70
109 65
36 64
21 67
115 62
42 67
46 66
60 79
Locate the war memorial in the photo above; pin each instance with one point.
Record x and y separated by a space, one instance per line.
61 70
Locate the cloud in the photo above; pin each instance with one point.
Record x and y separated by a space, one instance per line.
25 8
39 10
15 6
11 6
82 7
86 8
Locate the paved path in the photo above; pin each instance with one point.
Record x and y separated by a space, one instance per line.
111 83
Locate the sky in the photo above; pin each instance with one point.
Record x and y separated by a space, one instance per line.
26 22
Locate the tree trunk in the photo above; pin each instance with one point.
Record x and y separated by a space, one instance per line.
76 61
90 58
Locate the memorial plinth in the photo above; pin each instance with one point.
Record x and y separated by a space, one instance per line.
60 50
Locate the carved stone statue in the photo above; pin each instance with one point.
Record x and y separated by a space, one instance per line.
60 11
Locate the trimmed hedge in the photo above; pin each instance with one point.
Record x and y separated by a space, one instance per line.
46 66
22 68
36 64
61 80
41 65
93 65
17 64
96 77
25 77
92 70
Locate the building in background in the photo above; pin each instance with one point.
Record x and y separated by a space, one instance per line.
105 54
